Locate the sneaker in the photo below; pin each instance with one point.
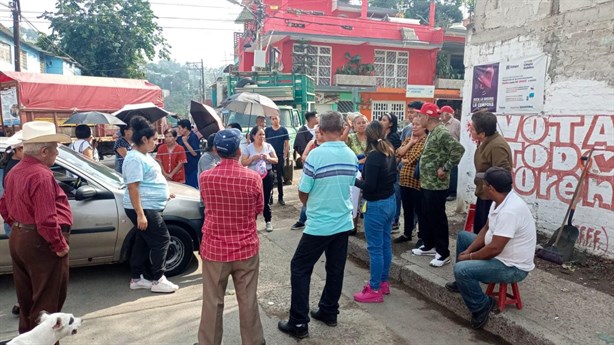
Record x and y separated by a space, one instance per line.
297 226
452 287
402 239
140 283
423 251
479 319
439 260
297 331
268 227
281 202
329 321
385 288
368 295
396 228
163 285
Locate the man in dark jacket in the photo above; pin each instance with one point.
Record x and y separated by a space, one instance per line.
305 133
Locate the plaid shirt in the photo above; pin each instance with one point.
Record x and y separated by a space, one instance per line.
233 197
407 172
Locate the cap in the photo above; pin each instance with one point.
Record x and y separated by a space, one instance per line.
430 109
227 141
497 177
446 109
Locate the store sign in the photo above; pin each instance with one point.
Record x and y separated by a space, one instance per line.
420 91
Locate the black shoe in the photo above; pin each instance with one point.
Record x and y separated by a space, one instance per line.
15 310
479 319
330 322
282 202
419 243
452 287
297 226
402 239
395 226
297 331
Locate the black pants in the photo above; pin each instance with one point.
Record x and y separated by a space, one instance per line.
150 246
412 211
435 234
279 174
267 187
308 252
482 207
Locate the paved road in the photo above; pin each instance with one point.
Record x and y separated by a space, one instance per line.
114 314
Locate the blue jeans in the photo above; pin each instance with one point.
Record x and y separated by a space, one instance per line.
303 217
470 273
378 227
397 195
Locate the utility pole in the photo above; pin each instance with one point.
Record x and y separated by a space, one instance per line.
17 41
199 66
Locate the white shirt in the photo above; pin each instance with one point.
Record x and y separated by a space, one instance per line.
513 219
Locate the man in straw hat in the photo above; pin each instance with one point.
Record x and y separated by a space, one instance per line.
38 211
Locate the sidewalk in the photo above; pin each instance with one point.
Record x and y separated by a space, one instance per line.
555 311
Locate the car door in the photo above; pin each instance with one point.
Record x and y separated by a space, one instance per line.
95 221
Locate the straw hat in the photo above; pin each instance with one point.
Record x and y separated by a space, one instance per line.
42 132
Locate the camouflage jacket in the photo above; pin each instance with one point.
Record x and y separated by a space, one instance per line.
441 150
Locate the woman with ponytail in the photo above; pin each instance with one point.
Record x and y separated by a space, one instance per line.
378 191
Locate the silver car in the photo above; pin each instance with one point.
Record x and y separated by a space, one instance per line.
101 231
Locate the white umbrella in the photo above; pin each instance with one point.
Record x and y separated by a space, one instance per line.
251 104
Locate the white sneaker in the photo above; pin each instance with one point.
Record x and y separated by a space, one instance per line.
141 283
423 251
269 227
439 260
163 285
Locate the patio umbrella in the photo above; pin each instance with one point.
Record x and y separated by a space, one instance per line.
206 119
148 110
251 104
93 118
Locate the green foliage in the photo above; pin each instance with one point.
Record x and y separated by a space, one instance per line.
110 38
443 68
354 67
446 11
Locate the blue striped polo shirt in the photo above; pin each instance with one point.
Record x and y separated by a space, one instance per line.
328 174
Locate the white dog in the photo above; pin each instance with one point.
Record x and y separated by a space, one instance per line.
50 329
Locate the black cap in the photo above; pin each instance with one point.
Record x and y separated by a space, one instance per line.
499 178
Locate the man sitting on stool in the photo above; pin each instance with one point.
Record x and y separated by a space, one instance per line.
503 250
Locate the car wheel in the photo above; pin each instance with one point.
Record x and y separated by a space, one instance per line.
180 251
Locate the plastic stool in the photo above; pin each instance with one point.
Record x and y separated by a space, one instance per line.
502 297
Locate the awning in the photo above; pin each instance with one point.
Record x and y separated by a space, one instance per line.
78 93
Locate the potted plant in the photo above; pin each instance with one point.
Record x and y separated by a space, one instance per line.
355 73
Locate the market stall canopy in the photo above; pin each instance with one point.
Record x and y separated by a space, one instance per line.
79 93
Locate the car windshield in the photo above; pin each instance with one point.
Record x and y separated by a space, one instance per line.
249 121
90 168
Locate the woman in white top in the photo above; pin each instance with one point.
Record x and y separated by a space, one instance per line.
260 156
83 144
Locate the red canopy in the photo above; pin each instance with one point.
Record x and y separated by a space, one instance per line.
78 93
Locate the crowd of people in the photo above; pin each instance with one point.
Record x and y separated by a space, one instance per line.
352 169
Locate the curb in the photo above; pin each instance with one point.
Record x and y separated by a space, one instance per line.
508 326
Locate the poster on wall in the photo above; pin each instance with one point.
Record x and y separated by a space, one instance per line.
10 107
521 85
484 88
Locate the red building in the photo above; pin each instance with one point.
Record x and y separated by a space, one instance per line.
361 58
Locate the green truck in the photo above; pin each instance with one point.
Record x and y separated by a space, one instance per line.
294 94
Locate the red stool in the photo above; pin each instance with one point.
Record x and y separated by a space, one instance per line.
502 297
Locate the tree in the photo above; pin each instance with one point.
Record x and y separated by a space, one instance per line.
110 38
446 11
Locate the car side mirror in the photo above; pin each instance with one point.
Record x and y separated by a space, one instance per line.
85 193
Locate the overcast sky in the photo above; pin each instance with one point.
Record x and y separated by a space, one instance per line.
195 29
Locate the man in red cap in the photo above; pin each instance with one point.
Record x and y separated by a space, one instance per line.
441 153
453 126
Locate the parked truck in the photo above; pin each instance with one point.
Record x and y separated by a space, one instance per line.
293 93
51 97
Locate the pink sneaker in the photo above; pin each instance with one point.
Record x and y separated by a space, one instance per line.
385 288
368 295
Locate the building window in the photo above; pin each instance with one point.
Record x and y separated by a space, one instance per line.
317 60
391 68
24 60
5 52
380 108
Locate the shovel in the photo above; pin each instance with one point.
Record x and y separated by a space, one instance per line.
560 247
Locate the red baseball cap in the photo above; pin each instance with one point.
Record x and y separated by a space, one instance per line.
430 109
446 109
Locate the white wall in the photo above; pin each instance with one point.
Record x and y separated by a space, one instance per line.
578 109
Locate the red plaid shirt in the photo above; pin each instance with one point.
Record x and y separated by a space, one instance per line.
233 197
